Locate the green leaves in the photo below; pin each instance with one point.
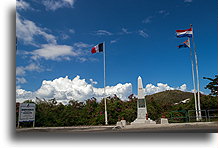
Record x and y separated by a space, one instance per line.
213 85
91 112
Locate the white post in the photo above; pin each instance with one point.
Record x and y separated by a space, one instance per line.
198 83
105 99
194 83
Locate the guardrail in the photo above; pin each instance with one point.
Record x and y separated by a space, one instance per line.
190 116
178 116
212 114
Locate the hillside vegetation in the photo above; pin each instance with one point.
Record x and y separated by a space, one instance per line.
91 112
169 96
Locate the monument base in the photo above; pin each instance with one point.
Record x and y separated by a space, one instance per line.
143 121
164 121
121 123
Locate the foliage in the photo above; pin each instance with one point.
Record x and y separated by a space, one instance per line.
213 85
91 112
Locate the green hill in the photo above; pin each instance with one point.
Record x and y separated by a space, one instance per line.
169 97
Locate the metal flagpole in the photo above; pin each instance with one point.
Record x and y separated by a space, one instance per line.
105 99
198 83
193 78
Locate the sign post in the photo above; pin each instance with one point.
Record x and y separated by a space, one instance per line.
26 113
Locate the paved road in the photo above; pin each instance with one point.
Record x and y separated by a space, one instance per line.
208 127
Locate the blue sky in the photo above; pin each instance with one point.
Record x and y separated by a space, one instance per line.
55 40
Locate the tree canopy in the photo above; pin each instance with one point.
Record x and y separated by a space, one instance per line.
213 85
91 112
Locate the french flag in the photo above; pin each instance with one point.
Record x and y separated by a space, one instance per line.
98 48
184 33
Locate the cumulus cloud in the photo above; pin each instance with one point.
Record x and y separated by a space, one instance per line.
56 4
93 82
65 89
26 30
151 89
183 87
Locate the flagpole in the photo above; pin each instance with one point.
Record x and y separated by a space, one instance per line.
105 99
198 83
194 83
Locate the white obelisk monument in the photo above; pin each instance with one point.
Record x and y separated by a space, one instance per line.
142 113
141 102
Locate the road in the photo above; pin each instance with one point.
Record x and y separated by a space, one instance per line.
201 127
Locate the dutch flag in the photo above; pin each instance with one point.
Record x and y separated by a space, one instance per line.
184 33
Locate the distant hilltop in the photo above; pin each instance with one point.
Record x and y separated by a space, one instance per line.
169 96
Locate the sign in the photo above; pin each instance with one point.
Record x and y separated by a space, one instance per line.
27 112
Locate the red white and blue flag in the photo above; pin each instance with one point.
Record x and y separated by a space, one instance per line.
184 33
98 48
185 44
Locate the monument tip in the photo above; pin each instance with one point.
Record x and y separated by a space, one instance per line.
139 77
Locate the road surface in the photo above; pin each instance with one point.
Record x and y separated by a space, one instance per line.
200 127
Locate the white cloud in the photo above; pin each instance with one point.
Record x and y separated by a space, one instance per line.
124 30
93 82
54 52
20 70
152 89
103 33
20 80
163 12
56 4
79 51
72 31
183 87
26 30
22 5
143 34
82 45
22 95
113 41
64 89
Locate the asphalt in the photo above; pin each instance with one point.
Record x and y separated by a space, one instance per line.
198 127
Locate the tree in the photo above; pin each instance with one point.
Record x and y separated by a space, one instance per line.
213 85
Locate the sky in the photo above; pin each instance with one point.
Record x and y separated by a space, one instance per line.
54 41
